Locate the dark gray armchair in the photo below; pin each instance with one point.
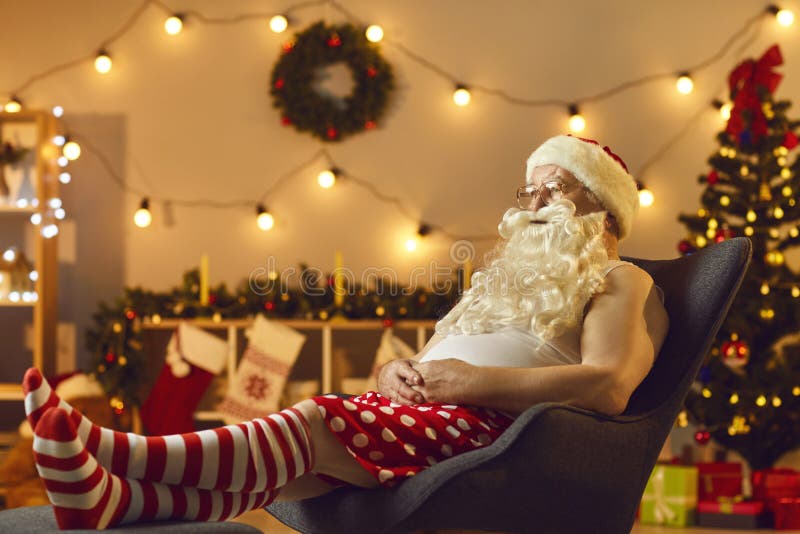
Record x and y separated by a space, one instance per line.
558 468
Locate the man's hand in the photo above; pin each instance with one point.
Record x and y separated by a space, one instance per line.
395 380
446 381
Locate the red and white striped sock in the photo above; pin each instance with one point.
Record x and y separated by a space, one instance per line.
254 456
84 495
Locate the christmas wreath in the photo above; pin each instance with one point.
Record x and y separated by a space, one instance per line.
328 118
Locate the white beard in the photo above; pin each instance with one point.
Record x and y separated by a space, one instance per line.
541 277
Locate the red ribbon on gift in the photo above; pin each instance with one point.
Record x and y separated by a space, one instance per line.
743 82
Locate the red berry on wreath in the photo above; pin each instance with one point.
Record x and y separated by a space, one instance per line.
332 132
279 83
269 305
130 314
212 299
110 357
369 125
713 178
288 46
372 71
387 323
334 41
286 121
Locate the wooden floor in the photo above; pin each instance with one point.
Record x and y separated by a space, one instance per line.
266 523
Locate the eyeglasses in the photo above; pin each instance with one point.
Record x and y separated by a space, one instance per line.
549 191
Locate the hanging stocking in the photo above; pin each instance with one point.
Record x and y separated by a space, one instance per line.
256 389
193 358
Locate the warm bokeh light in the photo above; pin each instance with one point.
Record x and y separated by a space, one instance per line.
102 62
71 150
646 198
374 33
685 85
326 179
278 23
173 25
264 220
13 106
411 245
142 218
461 96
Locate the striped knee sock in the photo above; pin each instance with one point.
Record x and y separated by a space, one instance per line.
253 456
84 495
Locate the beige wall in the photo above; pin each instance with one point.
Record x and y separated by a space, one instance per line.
199 122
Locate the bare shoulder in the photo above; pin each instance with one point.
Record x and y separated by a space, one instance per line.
638 286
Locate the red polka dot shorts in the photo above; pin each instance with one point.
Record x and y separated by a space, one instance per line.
393 442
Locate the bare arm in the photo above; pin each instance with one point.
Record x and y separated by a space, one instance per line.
622 331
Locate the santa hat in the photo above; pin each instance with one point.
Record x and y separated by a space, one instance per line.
600 170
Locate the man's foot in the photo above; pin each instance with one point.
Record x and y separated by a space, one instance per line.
84 495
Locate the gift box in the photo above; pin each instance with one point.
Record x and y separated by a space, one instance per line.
670 497
775 483
734 513
718 479
787 513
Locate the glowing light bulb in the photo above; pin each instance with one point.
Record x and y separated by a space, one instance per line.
773 233
786 191
142 218
59 140
776 401
724 200
795 291
761 400
49 231
326 179
784 17
173 25
794 231
646 198
461 96
712 223
374 33
706 393
786 172
65 177
13 106
576 121
685 85
71 150
744 170
33 275
411 245
701 241
725 111
734 398
751 216
102 62
58 112
278 23
14 296
60 214
778 212
10 255
764 288
36 219
264 220
711 233
54 203
62 161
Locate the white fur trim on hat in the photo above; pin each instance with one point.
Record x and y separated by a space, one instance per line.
597 170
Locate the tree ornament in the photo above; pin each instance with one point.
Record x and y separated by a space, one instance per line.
387 323
712 178
764 192
684 247
326 117
789 140
702 437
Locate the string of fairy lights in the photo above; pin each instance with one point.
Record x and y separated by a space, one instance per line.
177 22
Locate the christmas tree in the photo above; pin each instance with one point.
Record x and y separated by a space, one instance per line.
747 394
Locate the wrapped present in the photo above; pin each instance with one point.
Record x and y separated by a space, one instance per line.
670 497
787 513
733 512
776 483
718 479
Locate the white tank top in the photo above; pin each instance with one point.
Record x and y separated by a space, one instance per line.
513 347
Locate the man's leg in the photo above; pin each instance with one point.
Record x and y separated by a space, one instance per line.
84 495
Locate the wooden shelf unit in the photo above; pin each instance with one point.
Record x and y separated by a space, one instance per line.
45 258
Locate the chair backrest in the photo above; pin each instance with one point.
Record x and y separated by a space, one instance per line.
699 290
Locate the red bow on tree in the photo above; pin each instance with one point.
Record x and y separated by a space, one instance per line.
744 82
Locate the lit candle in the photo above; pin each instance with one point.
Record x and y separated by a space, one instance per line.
204 280
467 273
338 280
